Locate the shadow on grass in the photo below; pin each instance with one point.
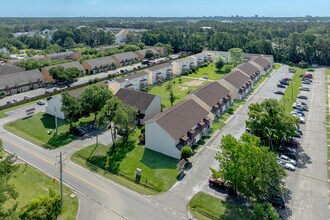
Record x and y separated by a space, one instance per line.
156 160
48 121
114 156
59 140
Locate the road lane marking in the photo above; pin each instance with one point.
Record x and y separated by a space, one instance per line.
212 148
69 172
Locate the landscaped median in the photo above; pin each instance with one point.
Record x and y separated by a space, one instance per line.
292 91
31 183
159 172
203 206
35 129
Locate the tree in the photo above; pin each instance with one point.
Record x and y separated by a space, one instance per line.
43 207
264 211
268 121
7 190
94 98
186 152
125 119
60 74
251 168
70 108
219 62
236 55
169 88
106 116
149 54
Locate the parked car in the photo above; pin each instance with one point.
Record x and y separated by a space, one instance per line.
287 166
286 149
287 159
285 82
297 134
15 100
217 183
307 79
77 131
279 92
286 78
26 97
296 111
304 89
8 102
281 86
276 201
306 82
41 102
302 97
290 154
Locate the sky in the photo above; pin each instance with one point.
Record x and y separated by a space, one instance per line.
163 8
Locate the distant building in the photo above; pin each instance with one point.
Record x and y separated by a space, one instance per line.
160 73
142 53
48 77
15 80
69 55
120 38
180 66
98 65
124 59
135 81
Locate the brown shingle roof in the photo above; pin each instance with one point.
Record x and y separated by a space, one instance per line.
8 69
21 78
131 76
59 55
67 65
144 51
139 100
236 78
160 66
102 61
262 61
248 68
125 56
211 93
180 118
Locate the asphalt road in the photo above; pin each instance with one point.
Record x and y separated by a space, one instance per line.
309 183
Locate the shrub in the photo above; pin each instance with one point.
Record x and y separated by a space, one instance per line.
264 211
96 80
230 111
186 152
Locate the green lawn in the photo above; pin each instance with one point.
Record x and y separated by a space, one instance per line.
210 71
292 91
34 129
180 89
31 183
204 206
159 172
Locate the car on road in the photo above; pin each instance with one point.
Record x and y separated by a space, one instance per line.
287 166
279 92
281 86
41 102
304 89
302 97
287 159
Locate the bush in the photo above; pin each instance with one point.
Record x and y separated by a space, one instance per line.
96 80
43 207
186 152
230 111
90 82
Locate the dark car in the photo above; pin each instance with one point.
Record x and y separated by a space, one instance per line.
304 89
286 148
279 92
302 97
217 183
277 201
281 86
297 134
292 142
284 82
77 131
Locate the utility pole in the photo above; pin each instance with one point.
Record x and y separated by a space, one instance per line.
55 121
60 163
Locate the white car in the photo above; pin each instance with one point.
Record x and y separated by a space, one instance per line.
296 114
301 120
287 159
287 166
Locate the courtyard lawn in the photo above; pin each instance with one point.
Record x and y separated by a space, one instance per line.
204 206
210 71
292 91
159 172
31 183
34 129
180 89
